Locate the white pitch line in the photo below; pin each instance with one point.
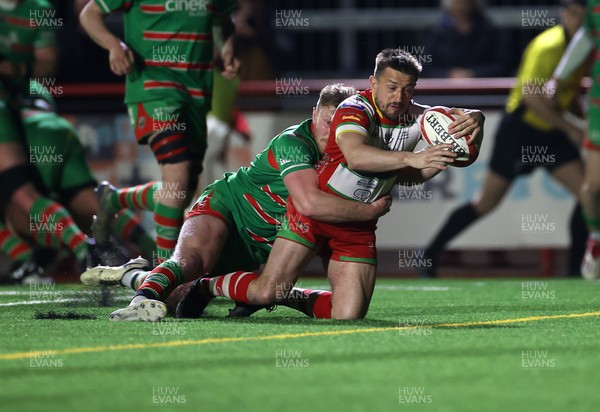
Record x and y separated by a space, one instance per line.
42 290
387 287
42 302
413 288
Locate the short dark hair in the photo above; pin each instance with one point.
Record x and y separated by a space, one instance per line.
335 93
397 59
567 3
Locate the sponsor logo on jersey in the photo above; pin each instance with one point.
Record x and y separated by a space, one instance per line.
142 122
195 7
362 194
366 183
352 105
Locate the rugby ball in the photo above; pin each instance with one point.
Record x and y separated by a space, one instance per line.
434 129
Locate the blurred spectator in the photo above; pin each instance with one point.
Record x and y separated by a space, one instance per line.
466 43
257 49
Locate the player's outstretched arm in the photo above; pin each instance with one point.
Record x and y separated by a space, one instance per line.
314 203
363 157
120 55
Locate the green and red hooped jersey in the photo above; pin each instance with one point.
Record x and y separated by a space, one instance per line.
259 189
173 45
23 29
592 25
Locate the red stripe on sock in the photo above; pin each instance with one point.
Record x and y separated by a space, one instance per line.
21 248
128 228
76 241
164 271
50 210
322 306
219 286
123 198
164 243
167 221
48 239
156 287
4 234
134 198
232 281
241 291
145 193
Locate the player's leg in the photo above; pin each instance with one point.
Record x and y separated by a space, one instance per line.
275 284
352 288
13 246
83 205
112 200
570 175
179 148
128 227
590 199
49 224
171 200
37 217
200 243
494 189
292 250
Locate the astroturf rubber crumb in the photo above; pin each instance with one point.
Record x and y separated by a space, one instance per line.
65 315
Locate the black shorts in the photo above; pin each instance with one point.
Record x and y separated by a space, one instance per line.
520 148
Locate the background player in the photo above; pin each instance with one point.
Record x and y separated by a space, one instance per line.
55 152
584 42
27 53
167 59
370 146
531 120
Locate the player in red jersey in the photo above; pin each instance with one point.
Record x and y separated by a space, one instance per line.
370 148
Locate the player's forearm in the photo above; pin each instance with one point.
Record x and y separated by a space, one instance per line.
92 21
410 176
371 159
577 52
334 209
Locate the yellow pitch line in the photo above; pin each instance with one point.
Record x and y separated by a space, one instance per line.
24 355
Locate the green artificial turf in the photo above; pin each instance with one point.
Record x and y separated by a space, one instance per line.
425 345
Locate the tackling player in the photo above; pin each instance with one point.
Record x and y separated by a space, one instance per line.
167 58
370 148
583 43
235 220
531 120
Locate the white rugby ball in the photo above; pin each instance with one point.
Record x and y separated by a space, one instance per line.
434 128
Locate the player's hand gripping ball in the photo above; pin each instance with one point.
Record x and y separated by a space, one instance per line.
434 128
